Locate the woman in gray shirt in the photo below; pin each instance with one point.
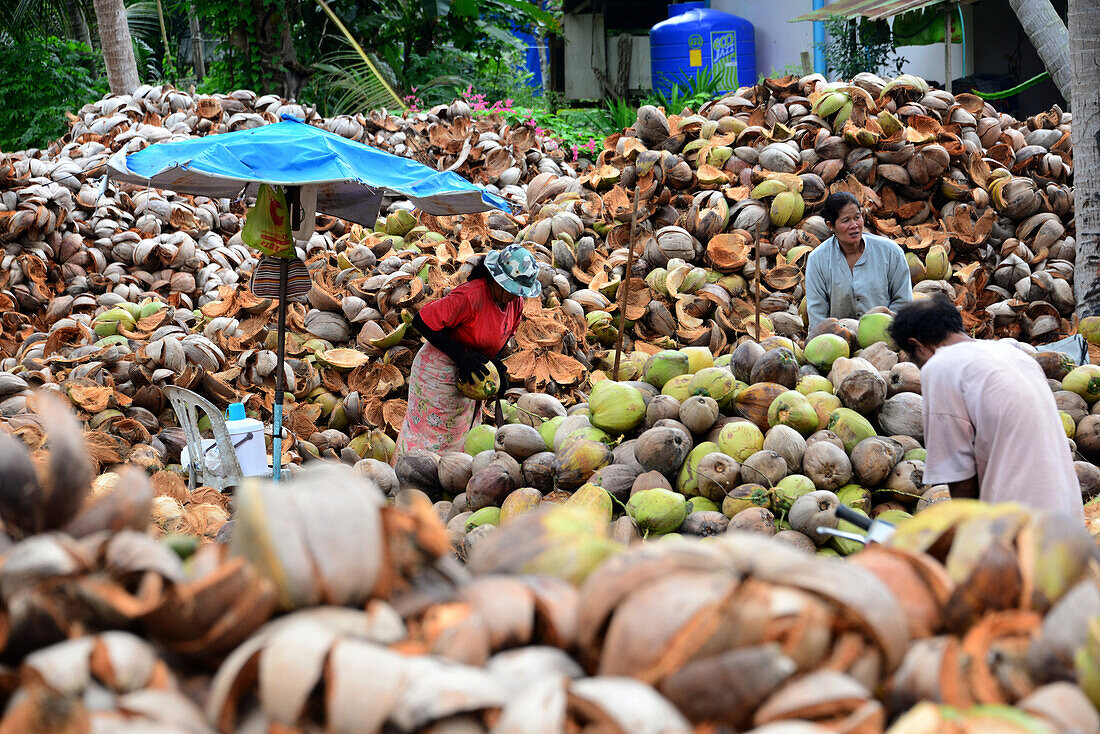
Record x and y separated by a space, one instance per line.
852 272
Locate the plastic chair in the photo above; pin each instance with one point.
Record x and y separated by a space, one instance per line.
187 405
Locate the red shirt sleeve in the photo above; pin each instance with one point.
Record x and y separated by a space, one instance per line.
448 312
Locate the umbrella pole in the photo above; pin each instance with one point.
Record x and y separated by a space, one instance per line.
280 379
626 285
756 275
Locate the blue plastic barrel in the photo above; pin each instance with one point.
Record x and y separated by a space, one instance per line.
530 59
695 38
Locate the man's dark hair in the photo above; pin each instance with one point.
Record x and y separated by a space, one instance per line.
835 203
929 321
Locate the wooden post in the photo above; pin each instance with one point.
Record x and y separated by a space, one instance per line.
625 287
756 274
807 63
947 16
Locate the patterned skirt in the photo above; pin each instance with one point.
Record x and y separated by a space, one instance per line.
439 416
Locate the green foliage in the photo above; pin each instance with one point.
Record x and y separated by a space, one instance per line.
788 70
40 80
620 113
858 46
690 91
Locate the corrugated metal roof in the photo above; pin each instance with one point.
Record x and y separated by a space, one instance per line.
872 9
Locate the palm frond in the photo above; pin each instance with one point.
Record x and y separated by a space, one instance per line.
355 88
144 23
368 76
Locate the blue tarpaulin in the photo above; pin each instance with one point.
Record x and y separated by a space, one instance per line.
349 176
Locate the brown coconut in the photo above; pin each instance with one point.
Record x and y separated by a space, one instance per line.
455 469
418 470
578 459
705 523
904 377
797 540
1088 476
624 454
827 466
456 530
905 482
623 531
662 449
825 435
538 471
788 443
903 414
519 441
485 458
907 443
489 487
764 467
873 458
616 479
716 475
744 358
716 429
833 326
698 413
934 494
650 480
1088 437
880 355
383 475
753 402
661 407
812 511
753 520
863 391
669 423
534 408
778 366
1073 404
845 366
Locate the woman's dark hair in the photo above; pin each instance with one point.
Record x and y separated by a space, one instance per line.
929 321
835 203
480 271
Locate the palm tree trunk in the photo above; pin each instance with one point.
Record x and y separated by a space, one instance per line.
1049 37
196 43
1084 51
117 47
79 26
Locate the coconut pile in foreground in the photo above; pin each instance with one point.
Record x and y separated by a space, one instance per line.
327 608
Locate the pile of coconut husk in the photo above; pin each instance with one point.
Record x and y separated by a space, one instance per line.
111 297
323 607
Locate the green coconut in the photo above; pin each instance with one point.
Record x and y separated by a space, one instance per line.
921 454
744 496
615 407
687 483
1090 329
850 427
894 516
519 502
716 383
480 438
790 488
814 383
824 403
875 327
485 388
824 349
724 361
699 358
792 409
678 387
1085 381
484 516
592 434
594 499
702 504
663 366
740 439
855 496
844 546
548 428
657 511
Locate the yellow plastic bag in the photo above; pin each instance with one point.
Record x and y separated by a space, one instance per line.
267 225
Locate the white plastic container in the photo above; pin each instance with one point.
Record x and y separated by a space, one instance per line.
247 435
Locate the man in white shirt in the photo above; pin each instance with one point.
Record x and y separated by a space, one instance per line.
991 425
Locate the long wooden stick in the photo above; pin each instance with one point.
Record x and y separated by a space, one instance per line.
625 287
756 274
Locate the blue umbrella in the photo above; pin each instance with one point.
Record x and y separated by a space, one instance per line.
350 180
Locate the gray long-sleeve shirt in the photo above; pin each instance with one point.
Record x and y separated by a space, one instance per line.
880 278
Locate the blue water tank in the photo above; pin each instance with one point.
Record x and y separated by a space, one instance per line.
530 60
695 38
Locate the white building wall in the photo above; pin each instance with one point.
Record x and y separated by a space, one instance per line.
779 43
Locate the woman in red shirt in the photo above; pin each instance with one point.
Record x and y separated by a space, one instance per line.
464 331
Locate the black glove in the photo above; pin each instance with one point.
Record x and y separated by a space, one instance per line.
505 383
471 366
